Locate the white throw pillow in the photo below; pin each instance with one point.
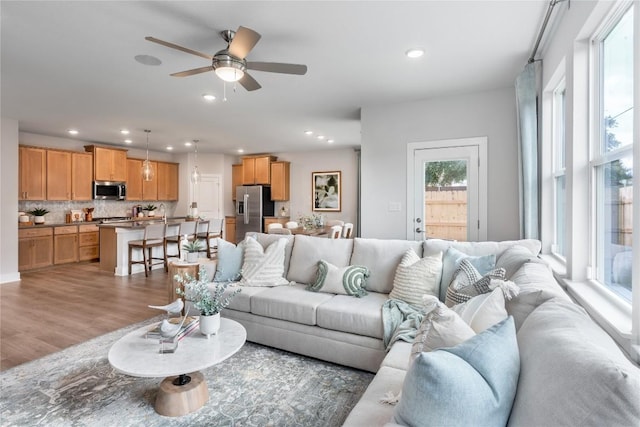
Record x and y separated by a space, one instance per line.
483 311
416 277
349 280
263 267
441 327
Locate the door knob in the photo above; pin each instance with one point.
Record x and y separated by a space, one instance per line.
419 230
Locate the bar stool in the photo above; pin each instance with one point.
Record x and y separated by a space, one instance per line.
207 230
153 238
187 228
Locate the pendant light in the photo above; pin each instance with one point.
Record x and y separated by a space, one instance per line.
147 168
195 173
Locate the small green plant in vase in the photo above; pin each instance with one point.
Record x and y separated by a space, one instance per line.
150 208
192 249
207 297
38 215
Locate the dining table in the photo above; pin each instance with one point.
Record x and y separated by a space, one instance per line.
315 231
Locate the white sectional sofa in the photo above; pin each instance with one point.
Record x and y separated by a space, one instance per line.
571 371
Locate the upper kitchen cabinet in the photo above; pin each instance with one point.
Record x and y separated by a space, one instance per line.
134 179
109 164
257 170
280 181
81 176
167 175
32 183
58 175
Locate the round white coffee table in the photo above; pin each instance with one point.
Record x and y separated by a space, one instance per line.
185 389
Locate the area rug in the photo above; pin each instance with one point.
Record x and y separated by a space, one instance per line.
258 386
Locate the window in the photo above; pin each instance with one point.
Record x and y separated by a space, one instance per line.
559 217
612 157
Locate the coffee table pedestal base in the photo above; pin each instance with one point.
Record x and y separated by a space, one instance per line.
177 400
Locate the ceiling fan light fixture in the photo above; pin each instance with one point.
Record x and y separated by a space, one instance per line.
229 74
228 68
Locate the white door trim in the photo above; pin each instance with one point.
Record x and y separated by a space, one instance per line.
481 142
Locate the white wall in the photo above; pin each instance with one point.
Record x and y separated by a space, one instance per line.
386 130
304 163
9 196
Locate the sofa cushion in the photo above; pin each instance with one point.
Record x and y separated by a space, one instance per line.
292 303
267 239
362 316
242 301
230 258
382 257
471 384
483 311
263 266
416 277
567 358
308 250
349 280
370 411
398 355
440 327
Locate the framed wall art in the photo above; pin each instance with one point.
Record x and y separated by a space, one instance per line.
327 191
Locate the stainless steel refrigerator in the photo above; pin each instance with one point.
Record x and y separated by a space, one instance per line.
252 204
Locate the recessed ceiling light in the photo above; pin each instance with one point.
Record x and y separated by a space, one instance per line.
128 141
209 97
415 53
124 132
308 132
73 131
331 141
240 150
320 136
169 147
187 144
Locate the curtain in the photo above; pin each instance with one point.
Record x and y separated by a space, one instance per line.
527 115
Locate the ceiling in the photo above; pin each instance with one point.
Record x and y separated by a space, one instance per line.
71 65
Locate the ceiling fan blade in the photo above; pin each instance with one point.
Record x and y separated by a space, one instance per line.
175 46
249 83
278 67
192 72
242 43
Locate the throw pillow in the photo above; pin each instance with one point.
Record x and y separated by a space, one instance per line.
440 327
349 280
263 267
416 277
229 261
451 261
468 282
471 384
513 258
483 311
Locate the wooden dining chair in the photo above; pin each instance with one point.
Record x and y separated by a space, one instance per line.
273 226
336 232
332 222
291 224
153 238
347 230
280 230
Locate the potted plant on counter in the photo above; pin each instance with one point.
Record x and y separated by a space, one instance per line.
150 208
38 215
207 297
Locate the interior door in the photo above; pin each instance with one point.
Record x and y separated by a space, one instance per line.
209 196
445 190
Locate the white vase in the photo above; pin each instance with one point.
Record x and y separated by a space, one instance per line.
209 324
192 256
151 213
38 219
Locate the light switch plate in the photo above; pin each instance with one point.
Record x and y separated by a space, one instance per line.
394 206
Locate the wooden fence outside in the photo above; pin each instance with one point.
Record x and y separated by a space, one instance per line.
446 213
625 216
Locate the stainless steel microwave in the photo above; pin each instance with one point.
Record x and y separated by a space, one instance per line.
109 190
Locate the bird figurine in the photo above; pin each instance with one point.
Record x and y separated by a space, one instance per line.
168 329
174 307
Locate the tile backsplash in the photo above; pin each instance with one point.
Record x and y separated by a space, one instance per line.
102 208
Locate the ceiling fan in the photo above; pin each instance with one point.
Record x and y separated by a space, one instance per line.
230 64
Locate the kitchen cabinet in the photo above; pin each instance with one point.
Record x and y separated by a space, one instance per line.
236 179
35 248
81 176
32 168
58 175
65 244
230 229
88 242
134 179
150 188
167 175
280 181
257 170
109 164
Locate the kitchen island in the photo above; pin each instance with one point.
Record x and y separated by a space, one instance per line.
114 243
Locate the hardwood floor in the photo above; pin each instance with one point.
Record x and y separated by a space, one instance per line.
57 307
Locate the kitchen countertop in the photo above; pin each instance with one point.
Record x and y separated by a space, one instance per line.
137 223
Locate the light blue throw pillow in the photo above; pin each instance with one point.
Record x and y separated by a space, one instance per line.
451 261
230 258
471 384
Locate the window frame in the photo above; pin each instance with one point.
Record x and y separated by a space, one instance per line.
558 152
